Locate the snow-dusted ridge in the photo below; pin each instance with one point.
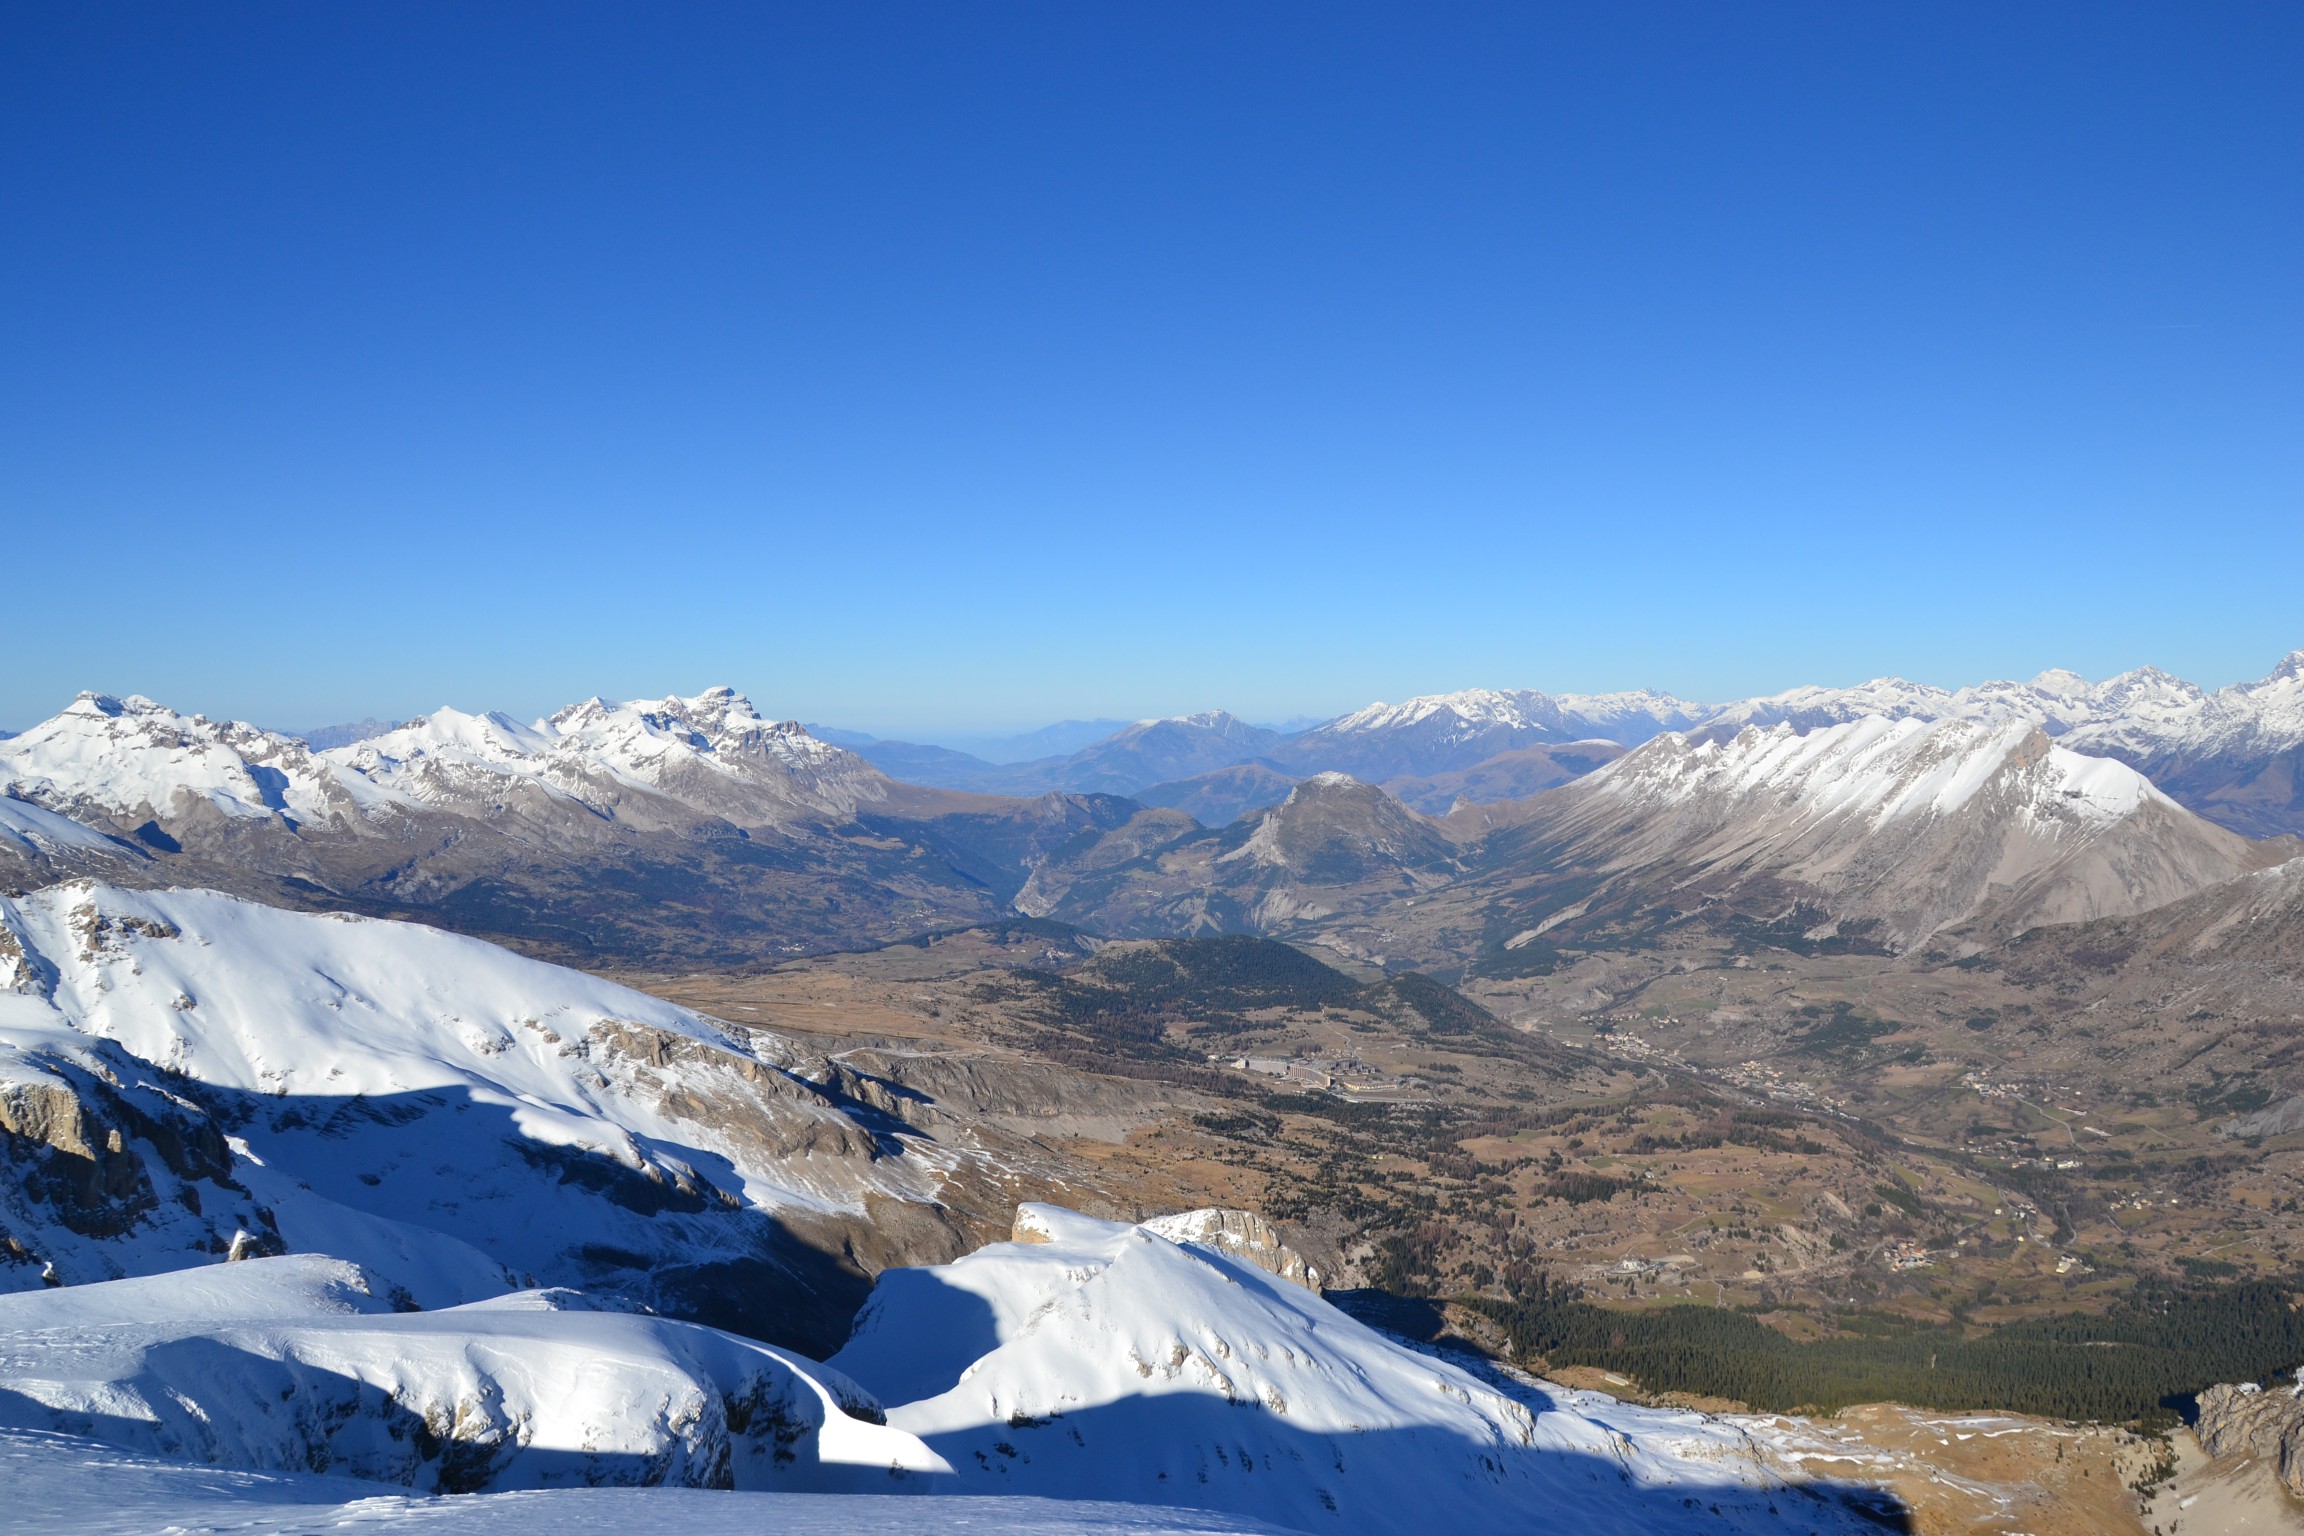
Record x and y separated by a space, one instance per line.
1884 769
2144 710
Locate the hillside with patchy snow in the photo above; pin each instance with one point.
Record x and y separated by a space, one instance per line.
1894 828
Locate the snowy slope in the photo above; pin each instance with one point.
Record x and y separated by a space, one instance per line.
38 846
1098 1359
1900 824
410 1098
302 1364
65 1486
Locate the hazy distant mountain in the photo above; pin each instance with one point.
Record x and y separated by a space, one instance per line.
326 737
1513 775
1059 740
915 763
1158 751
1443 733
1221 795
851 740
1333 846
1134 757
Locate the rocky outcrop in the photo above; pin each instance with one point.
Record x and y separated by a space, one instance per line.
74 1145
2244 1418
1241 1235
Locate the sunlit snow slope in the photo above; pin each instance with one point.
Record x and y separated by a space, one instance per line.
1096 1359
415 1100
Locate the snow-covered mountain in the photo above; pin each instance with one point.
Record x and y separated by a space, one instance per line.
713 754
750 829
1097 1359
128 762
2235 755
38 845
184 1075
1897 827
1134 757
1441 733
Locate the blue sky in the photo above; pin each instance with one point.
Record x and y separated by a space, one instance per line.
938 368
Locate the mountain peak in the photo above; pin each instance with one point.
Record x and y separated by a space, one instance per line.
1903 824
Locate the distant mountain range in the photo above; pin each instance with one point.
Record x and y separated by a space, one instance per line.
1878 834
696 830
653 828
2235 756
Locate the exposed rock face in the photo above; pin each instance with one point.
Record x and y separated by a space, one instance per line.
2266 1421
90 1156
1243 1235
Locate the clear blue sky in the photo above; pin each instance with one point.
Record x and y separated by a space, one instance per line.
928 367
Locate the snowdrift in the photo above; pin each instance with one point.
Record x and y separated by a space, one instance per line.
300 1364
